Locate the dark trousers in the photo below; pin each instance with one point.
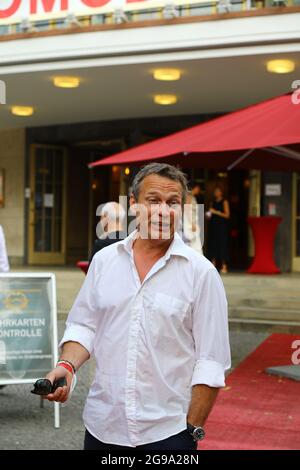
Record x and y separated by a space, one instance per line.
181 441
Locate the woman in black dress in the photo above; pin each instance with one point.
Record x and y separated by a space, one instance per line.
218 230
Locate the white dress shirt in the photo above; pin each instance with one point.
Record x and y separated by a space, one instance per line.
4 264
152 341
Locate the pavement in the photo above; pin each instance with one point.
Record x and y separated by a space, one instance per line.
26 426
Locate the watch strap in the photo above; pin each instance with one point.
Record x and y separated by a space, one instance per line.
190 428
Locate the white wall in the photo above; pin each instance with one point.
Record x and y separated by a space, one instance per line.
228 37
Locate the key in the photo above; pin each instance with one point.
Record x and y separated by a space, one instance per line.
44 386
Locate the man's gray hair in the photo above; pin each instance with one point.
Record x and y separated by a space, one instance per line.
161 169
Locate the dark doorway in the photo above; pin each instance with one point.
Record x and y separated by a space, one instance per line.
77 205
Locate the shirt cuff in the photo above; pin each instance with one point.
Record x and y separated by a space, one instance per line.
79 334
209 373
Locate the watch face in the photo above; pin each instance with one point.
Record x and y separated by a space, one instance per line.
199 434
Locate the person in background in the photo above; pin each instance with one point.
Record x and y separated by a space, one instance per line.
4 264
112 218
197 193
218 230
191 226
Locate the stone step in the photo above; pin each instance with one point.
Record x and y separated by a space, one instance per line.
280 292
264 326
243 279
281 303
271 314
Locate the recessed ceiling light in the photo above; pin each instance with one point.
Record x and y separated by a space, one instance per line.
281 66
167 74
66 82
165 99
22 110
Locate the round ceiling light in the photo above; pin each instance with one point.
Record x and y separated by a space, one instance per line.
168 75
66 82
165 99
281 66
23 111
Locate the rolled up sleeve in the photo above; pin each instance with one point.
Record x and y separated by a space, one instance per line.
210 331
79 334
82 318
209 373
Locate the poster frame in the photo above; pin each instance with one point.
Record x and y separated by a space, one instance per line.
54 332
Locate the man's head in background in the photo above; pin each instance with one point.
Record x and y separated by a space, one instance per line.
112 218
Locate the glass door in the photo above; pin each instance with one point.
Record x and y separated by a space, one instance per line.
47 209
296 223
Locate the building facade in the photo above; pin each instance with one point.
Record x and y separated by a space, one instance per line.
111 51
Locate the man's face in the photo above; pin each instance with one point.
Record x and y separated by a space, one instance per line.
160 201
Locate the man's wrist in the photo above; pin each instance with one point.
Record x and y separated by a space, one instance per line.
194 421
197 432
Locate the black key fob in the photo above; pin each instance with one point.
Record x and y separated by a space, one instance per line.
59 383
44 386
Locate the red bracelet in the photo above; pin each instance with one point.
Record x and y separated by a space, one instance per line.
66 366
69 363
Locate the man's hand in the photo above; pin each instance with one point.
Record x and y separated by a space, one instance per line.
77 355
61 394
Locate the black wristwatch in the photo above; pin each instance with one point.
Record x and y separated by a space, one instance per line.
197 432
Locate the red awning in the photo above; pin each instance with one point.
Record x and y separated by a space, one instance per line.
226 140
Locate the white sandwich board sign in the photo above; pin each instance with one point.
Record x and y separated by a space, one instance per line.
28 328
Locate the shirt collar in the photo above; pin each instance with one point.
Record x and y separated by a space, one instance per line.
177 247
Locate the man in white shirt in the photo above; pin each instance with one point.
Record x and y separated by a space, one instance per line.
153 312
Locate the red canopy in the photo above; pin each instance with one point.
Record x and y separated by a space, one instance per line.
266 128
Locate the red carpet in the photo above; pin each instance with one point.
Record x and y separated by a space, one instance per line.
255 410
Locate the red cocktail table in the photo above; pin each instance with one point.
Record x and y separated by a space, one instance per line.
83 265
264 232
